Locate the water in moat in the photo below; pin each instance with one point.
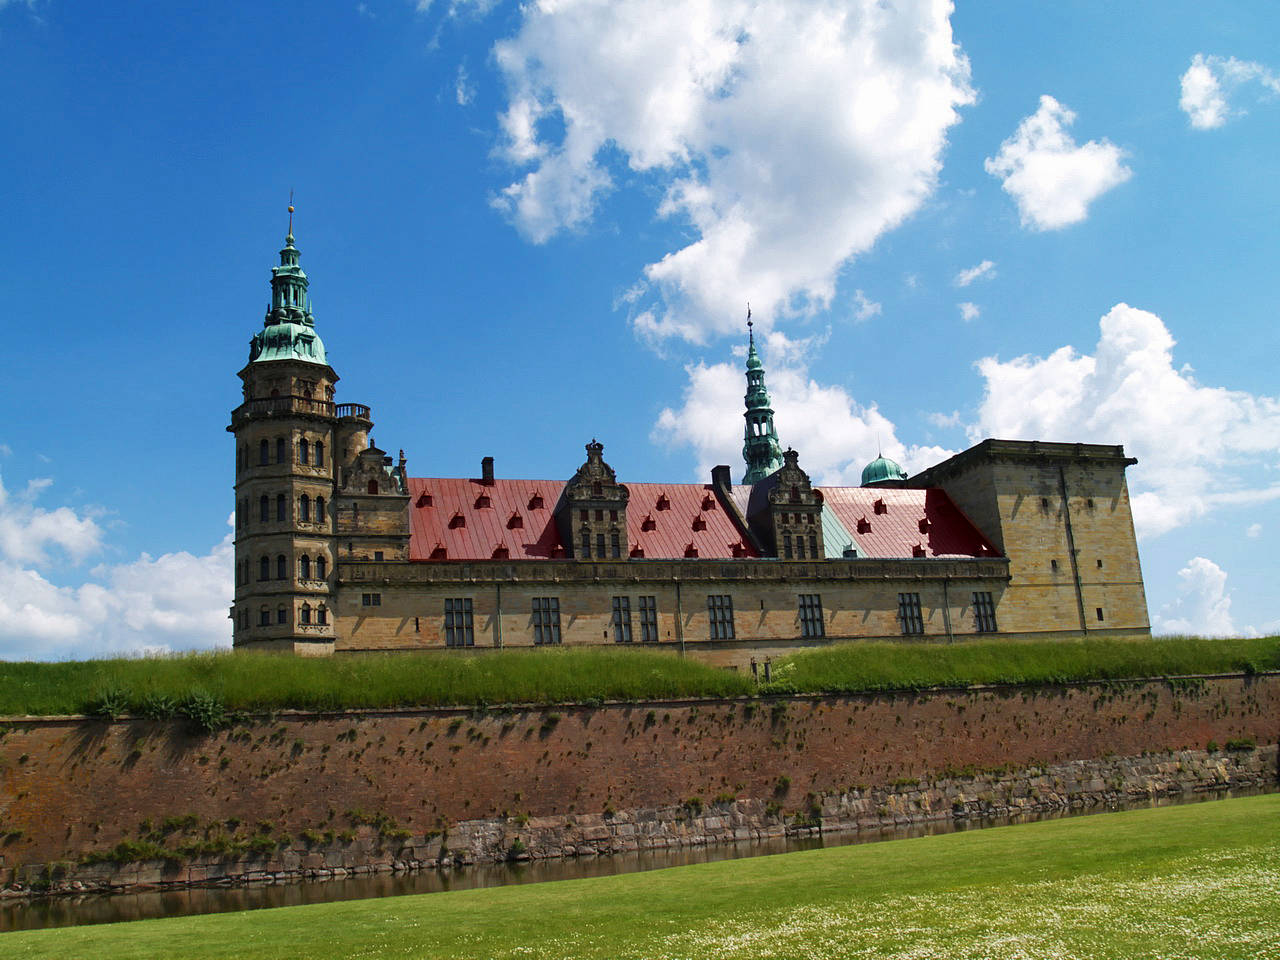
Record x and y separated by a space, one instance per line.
65 911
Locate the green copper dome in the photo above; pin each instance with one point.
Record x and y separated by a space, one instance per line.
881 469
289 330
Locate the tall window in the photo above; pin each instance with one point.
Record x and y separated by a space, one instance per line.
546 620
984 613
648 619
615 546
720 613
786 546
282 507
264 453
811 615
264 568
322 568
304 567
264 508
304 615
909 613
458 623
282 450
282 615
799 548
282 567
319 453
586 544
304 508
304 451
322 615
600 546
319 509
621 619
264 615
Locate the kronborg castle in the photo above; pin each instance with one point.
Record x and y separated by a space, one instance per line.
338 548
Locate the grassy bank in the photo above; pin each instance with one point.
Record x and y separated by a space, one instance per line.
1192 881
206 687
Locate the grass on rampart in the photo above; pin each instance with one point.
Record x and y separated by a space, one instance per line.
1195 881
204 687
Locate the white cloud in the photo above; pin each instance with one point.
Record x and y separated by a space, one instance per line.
1190 439
1203 605
1253 531
363 10
177 601
788 137
1208 83
969 311
864 309
835 436
986 270
464 91
1052 178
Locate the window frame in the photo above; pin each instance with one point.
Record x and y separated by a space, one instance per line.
649 620
459 622
720 616
984 612
910 615
621 620
809 610
545 618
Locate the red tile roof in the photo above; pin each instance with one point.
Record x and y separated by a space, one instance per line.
889 522
450 519
668 520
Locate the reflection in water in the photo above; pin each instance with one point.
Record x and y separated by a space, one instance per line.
148 904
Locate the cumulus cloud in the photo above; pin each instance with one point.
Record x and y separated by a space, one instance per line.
835 435
1253 531
1051 177
1210 81
787 137
1190 439
176 601
986 270
863 308
969 311
1203 604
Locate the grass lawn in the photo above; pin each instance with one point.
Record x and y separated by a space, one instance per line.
1189 881
205 686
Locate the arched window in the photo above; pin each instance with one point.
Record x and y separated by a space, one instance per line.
322 568
305 614
282 615
319 451
282 508
264 454
282 450
304 451
264 617
282 567
264 568
322 615
264 508
304 508
319 509
373 486
304 567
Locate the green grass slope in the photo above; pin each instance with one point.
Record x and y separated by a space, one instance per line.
1194 881
203 685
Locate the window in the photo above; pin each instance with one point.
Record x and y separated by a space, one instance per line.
799 548
811 615
599 514
1099 563
322 615
621 619
282 508
373 486
282 615
304 508
615 546
370 599
264 453
282 450
304 451
282 567
264 615
319 453
586 544
304 615
813 547
322 568
1099 611
264 568
458 623
720 613
600 545
909 613
648 619
377 555
264 508
984 613
546 619
1053 565
786 546
319 509
304 567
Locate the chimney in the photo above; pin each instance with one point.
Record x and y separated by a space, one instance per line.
486 470
720 478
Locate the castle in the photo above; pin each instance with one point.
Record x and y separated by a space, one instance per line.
338 549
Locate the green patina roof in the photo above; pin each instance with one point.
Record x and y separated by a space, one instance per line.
289 330
760 449
882 468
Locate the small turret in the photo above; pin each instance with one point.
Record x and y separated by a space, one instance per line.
883 472
289 330
760 449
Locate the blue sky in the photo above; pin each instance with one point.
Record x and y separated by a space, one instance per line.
527 226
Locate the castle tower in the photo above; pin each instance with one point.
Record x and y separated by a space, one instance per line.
760 448
288 435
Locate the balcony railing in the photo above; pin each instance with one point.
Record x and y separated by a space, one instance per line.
281 406
357 410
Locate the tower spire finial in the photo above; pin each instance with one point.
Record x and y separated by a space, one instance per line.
290 213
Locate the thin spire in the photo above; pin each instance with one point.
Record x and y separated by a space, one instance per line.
290 239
